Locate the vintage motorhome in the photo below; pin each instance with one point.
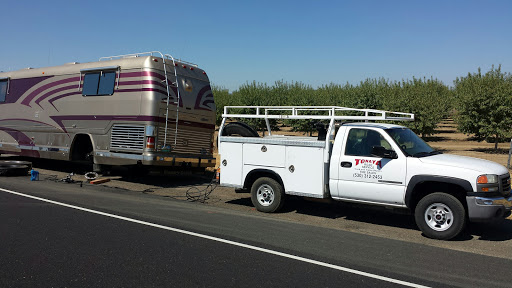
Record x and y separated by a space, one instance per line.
138 109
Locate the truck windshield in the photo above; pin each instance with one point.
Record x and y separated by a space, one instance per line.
410 143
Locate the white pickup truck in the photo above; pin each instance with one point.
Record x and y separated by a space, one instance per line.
372 163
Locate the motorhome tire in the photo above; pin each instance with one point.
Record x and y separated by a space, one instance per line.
440 216
14 170
267 195
239 129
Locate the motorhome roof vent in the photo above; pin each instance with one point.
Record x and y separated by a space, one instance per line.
70 63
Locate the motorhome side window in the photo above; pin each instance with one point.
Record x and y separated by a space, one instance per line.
361 141
99 83
3 90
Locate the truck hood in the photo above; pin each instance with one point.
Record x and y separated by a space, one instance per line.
470 163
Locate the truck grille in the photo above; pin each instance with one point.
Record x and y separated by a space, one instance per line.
505 184
127 138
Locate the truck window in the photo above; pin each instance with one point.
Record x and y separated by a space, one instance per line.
99 83
410 143
3 90
361 141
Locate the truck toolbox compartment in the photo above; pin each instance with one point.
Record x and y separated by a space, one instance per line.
264 155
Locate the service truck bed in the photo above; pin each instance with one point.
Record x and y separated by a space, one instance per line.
292 158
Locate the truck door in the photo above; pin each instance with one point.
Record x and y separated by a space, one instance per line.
368 178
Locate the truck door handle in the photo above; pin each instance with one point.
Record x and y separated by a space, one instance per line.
346 164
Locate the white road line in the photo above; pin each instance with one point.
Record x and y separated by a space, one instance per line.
298 258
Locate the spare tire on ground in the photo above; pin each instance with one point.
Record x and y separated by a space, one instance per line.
14 168
239 129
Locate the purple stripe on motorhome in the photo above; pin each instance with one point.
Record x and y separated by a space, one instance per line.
144 82
143 90
130 74
36 92
142 74
115 91
59 119
141 118
22 139
153 74
48 94
18 87
205 90
62 96
27 120
157 91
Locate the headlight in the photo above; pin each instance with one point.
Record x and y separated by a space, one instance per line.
487 183
487 179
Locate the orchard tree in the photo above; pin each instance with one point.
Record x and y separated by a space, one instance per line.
222 98
428 99
484 105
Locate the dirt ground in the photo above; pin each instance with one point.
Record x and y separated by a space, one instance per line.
453 142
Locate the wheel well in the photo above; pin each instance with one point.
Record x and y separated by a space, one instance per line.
81 149
255 174
239 129
428 187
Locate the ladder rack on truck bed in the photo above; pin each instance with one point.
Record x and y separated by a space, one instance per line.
305 112
331 113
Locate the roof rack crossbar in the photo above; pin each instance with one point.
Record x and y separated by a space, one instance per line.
315 112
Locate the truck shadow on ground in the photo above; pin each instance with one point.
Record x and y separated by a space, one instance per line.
501 231
338 210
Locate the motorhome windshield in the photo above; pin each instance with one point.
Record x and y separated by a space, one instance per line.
410 143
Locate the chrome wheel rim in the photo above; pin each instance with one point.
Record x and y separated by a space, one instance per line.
265 195
439 217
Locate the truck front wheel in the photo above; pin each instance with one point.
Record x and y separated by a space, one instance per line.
440 216
267 195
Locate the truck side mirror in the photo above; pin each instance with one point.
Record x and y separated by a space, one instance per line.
379 151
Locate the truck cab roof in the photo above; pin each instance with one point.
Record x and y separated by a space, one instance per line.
374 125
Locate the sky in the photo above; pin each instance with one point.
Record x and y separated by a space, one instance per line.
236 42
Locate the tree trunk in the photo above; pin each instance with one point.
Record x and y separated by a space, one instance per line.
496 143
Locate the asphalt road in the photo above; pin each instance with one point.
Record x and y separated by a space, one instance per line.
50 245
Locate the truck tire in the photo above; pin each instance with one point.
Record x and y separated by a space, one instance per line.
440 216
267 195
239 129
14 168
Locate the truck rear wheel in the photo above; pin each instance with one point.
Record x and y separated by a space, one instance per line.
267 195
440 216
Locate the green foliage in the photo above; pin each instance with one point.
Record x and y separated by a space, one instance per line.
484 105
222 98
430 99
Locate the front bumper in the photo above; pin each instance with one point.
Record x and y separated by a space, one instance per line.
487 209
